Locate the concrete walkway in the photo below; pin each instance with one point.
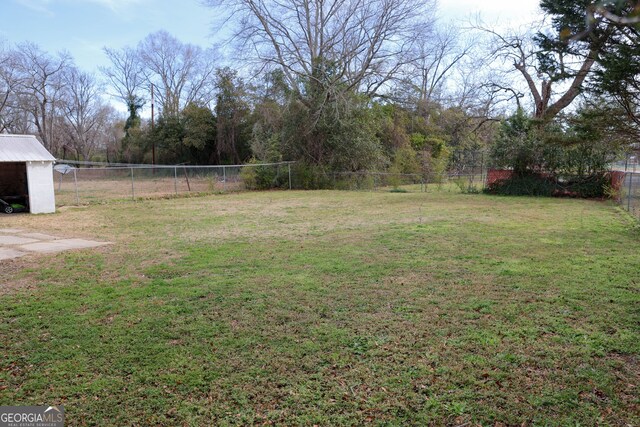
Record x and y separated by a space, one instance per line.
15 243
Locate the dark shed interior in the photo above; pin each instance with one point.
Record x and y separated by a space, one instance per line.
13 180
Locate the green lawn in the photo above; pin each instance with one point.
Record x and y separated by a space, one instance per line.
329 308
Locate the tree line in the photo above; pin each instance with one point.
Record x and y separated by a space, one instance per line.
340 85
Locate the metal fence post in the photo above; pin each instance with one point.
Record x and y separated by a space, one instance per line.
630 175
635 204
289 165
482 170
75 180
133 192
224 178
175 179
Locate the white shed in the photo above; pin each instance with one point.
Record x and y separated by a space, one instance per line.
26 173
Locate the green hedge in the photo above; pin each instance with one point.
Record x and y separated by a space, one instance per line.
594 186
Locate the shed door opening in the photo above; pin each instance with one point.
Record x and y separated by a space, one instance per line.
13 183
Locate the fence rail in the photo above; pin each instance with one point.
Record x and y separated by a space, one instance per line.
81 185
94 182
84 185
99 182
630 194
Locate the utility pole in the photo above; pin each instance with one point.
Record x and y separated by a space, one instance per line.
153 141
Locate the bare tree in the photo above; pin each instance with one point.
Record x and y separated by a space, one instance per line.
40 90
183 73
87 119
9 82
125 77
435 59
329 42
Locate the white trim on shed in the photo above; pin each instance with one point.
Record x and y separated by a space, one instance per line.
39 168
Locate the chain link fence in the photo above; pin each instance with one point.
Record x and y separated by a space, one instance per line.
468 170
79 183
629 196
82 185
375 181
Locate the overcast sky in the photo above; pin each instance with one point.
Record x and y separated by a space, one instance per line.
83 27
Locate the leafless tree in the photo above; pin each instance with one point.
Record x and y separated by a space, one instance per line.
125 75
13 118
183 73
350 44
40 90
9 81
87 119
436 57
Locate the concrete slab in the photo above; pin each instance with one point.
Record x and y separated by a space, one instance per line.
61 245
38 236
15 240
8 253
10 230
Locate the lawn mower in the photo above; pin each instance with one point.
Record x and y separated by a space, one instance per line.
12 204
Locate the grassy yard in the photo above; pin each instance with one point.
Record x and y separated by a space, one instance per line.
329 308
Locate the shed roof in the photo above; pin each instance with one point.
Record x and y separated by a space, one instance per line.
23 148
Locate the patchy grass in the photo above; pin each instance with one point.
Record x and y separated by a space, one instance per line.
329 308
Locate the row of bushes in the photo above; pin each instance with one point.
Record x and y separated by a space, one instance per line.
566 158
601 185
